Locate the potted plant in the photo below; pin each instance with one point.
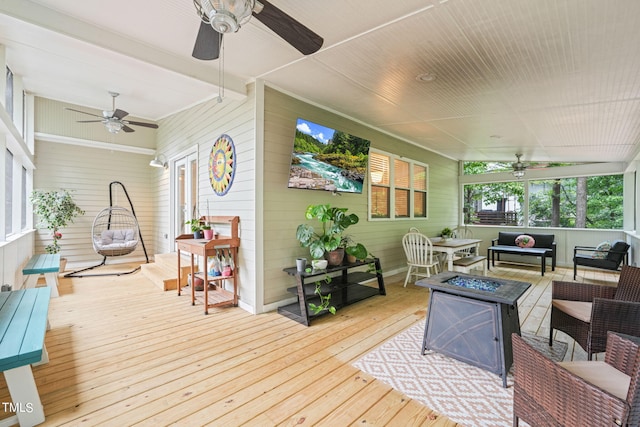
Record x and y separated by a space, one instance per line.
55 210
353 250
208 231
326 240
196 228
446 233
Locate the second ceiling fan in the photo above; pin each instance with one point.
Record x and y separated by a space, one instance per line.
113 120
226 16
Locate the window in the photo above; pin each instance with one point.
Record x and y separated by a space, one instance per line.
23 205
8 96
494 203
582 202
397 187
8 192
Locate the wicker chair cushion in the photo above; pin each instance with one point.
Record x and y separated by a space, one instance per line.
602 250
577 309
116 236
601 375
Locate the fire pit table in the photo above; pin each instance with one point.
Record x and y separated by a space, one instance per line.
471 318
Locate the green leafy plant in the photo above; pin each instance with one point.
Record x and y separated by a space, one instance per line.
446 233
353 248
333 221
325 300
195 224
55 210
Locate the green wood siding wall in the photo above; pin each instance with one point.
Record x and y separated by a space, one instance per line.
284 208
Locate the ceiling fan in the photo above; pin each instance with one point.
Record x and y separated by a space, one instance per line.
114 120
226 16
519 168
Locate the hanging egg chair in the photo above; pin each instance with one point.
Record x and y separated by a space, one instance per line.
115 232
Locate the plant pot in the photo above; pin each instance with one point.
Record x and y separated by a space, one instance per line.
198 235
351 259
335 257
208 234
198 282
319 264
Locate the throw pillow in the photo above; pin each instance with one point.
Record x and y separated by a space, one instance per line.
525 241
601 250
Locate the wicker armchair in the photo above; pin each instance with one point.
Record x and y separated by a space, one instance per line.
546 393
587 311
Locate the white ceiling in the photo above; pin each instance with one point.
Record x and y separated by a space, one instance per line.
558 80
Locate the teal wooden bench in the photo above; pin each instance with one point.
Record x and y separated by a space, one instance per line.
23 324
47 264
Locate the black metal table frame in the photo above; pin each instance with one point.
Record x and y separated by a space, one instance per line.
501 249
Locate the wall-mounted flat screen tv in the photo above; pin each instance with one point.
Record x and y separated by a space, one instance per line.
327 159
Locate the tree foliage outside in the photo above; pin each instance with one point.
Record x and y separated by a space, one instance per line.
475 196
583 202
601 198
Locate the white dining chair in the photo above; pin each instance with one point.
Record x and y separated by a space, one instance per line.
420 260
463 233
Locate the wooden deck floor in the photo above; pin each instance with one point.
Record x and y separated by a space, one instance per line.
124 353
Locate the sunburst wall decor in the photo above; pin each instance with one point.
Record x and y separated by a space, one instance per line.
222 164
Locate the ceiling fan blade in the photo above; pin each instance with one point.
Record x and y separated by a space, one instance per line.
89 121
296 34
83 112
119 114
127 129
208 41
147 125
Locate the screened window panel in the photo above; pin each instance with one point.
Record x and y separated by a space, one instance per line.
23 204
583 202
8 192
8 98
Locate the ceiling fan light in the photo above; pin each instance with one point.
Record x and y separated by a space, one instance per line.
519 168
226 16
113 126
518 173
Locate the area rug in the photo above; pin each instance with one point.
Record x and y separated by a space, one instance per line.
466 394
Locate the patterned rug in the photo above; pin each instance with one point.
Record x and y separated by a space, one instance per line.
467 395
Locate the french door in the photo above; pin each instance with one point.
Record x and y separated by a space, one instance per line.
185 191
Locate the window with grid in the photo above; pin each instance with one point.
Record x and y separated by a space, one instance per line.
8 192
398 187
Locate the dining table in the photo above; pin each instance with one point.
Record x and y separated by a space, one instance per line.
451 246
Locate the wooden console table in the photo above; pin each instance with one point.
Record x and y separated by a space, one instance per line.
345 289
226 247
473 323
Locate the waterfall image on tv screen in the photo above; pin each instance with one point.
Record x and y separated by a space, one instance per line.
327 159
